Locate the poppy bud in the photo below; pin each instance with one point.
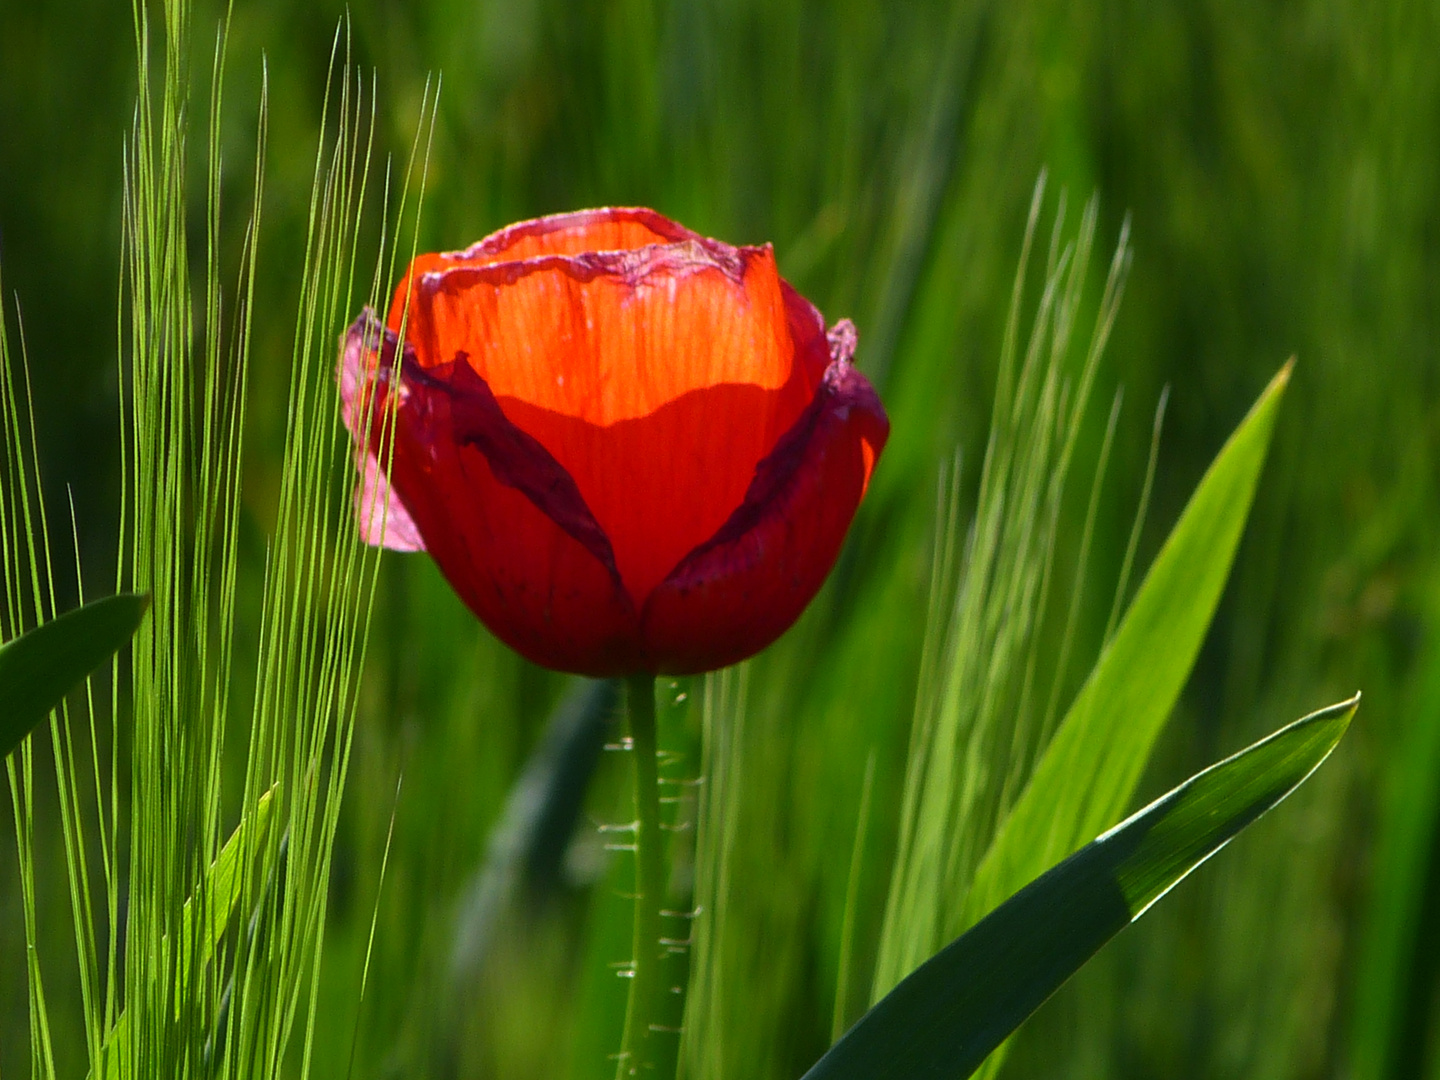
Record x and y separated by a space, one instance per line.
629 448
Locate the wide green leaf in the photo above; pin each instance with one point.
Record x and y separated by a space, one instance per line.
39 668
946 1017
1087 775
224 883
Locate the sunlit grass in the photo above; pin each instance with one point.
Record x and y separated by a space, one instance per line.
979 721
158 997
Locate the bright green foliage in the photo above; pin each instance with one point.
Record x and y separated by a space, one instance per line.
183 1002
223 882
966 839
183 437
979 721
1089 771
957 1007
185 434
39 667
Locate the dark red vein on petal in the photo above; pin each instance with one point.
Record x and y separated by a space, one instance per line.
842 388
516 458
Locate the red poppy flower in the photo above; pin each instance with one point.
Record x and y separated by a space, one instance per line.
629 448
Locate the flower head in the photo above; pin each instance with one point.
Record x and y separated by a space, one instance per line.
629 448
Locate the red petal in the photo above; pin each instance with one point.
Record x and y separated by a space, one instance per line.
743 588
658 377
507 527
807 331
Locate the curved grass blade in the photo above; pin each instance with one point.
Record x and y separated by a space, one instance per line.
224 884
946 1018
39 668
1088 773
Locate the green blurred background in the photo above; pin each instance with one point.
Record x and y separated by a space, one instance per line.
1281 167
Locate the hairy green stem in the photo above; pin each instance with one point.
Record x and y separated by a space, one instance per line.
641 1053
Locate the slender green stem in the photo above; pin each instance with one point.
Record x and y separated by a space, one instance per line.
640 1053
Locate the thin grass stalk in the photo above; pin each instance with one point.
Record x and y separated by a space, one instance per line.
318 596
723 711
1133 544
913 916
63 752
840 1011
977 727
178 711
72 822
22 557
185 440
1072 614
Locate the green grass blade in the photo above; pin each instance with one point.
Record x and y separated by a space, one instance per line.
947 1017
1384 1024
39 668
1089 772
224 884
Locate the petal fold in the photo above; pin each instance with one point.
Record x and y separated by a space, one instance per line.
506 525
741 589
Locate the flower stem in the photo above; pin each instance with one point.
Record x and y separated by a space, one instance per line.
641 1053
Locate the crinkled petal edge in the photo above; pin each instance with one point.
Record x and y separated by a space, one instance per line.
380 516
